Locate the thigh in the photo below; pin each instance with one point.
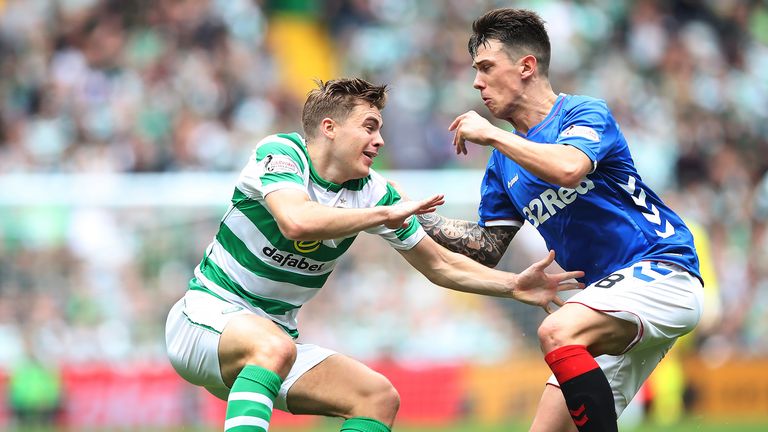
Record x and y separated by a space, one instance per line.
308 357
552 412
333 387
579 324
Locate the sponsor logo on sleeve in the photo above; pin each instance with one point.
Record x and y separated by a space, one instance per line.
280 164
585 132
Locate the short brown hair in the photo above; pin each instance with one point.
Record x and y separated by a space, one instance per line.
521 31
337 98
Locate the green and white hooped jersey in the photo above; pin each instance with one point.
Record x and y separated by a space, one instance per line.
251 264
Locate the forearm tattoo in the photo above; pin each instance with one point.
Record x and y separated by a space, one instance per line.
485 245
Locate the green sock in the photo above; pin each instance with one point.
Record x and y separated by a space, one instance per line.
249 406
364 424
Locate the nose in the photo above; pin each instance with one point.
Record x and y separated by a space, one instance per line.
478 82
378 140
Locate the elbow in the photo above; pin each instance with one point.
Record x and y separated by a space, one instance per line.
294 230
570 177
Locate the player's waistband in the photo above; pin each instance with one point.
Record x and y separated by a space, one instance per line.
675 267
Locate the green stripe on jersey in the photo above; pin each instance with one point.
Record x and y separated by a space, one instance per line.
216 275
264 222
390 197
247 259
404 233
195 285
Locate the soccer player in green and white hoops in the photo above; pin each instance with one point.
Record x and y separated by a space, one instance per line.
296 208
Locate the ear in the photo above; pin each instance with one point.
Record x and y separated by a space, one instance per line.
328 128
528 66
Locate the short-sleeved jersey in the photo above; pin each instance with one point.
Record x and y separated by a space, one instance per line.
251 264
610 220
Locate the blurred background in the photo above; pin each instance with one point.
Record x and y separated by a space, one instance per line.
124 123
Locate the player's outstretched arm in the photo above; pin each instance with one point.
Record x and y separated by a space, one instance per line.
300 218
485 245
448 269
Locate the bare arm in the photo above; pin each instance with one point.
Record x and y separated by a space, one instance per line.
300 218
560 164
485 245
451 270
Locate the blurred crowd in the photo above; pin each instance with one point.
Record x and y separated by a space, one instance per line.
131 86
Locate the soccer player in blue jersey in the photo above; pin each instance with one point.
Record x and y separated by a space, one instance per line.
567 170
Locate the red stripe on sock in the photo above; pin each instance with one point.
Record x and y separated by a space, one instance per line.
570 361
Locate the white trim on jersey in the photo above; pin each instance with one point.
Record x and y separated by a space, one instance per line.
503 222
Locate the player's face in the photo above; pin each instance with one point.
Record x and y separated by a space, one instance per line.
497 78
358 141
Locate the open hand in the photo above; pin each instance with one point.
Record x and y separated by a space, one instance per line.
399 213
535 287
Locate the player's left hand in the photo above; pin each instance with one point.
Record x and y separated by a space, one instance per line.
538 288
473 127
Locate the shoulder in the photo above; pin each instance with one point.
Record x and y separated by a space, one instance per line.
284 146
283 142
582 103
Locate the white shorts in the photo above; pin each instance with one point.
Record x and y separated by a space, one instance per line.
664 300
192 334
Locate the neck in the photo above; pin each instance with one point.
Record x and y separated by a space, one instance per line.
533 107
322 162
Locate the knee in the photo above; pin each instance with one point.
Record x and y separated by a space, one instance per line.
378 399
276 353
552 334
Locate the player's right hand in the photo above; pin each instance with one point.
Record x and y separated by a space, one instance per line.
536 287
398 214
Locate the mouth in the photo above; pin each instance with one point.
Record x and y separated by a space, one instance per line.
486 100
370 155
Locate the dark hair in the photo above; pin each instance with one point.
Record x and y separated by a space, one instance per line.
337 98
521 31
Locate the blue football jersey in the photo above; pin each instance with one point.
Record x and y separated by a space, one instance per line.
610 221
